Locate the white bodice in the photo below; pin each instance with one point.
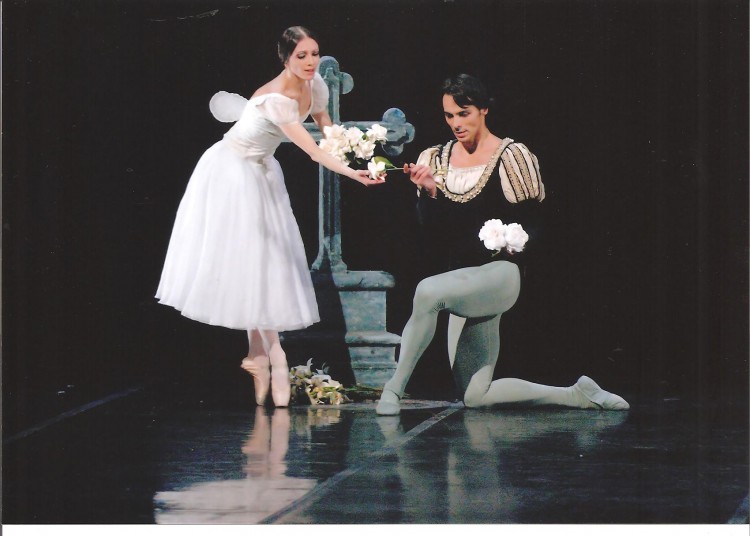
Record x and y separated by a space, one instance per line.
257 133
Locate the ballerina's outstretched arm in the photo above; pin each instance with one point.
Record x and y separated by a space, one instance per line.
302 139
322 119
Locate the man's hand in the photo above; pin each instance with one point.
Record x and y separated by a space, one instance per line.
422 177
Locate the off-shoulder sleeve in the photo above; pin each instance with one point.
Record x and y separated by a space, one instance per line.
319 94
519 174
227 107
279 109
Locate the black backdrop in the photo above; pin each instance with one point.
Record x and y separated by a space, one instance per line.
637 111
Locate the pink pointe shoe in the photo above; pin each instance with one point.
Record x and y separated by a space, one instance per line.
258 367
281 389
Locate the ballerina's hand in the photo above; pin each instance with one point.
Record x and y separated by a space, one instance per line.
363 176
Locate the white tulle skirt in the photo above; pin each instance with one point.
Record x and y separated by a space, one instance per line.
236 258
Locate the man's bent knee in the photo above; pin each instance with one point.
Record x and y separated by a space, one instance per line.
473 400
478 386
429 295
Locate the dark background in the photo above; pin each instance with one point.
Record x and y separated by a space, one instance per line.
637 111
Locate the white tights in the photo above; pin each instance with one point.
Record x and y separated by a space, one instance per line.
476 298
266 343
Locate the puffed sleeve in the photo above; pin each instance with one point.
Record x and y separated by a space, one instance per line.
320 94
227 107
428 156
522 185
280 110
519 174
426 206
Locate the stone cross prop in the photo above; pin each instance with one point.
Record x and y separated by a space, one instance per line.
352 303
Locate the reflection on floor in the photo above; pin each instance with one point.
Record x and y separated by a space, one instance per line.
247 500
143 460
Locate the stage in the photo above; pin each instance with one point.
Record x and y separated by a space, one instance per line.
117 410
186 455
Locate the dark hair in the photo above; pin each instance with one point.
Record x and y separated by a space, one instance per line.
467 90
289 40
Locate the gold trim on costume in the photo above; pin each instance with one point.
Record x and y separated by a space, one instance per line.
441 170
515 182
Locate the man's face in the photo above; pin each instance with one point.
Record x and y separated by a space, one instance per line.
465 122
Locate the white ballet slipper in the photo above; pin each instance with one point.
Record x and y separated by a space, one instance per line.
598 396
388 404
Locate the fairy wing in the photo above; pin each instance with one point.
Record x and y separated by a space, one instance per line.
227 107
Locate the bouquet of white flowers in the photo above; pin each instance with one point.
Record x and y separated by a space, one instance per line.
318 386
496 235
352 146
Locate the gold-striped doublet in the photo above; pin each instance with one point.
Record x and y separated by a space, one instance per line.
518 169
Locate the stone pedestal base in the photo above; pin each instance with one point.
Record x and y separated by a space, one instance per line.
352 308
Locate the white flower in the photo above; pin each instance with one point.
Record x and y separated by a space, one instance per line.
352 146
334 131
497 236
354 136
328 145
515 237
316 385
377 133
319 378
376 169
492 234
336 147
302 370
364 149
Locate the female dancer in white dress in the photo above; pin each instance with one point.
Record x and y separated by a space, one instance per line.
236 258
474 178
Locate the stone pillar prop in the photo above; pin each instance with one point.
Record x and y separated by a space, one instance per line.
352 303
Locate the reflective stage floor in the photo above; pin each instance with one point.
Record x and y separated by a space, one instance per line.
186 457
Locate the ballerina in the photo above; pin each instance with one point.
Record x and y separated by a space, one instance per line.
236 257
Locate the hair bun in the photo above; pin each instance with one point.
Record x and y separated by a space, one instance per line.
289 40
